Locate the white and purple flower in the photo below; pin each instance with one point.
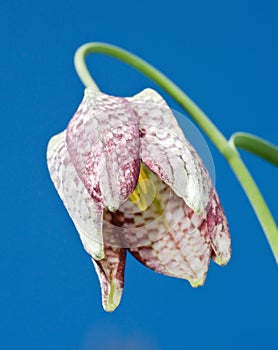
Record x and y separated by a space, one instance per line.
131 181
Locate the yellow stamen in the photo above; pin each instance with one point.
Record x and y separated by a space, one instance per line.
134 197
143 190
145 194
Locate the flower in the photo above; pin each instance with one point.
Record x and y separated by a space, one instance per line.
131 181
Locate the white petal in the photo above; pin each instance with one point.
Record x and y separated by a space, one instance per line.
103 143
166 151
84 211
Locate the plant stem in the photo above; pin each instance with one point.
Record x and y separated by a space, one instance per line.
197 114
257 201
227 149
256 145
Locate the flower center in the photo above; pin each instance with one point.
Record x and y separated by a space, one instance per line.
144 193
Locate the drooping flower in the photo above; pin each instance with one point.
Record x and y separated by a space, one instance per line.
131 181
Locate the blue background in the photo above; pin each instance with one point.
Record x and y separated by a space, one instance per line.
224 55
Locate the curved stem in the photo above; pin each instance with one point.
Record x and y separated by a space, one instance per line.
255 145
145 68
81 68
227 149
257 201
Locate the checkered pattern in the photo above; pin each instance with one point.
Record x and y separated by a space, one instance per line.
95 165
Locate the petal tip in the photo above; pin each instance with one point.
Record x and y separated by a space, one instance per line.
99 256
222 260
197 208
112 300
114 207
110 272
97 251
197 282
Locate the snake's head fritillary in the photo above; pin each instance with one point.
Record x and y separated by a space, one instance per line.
131 181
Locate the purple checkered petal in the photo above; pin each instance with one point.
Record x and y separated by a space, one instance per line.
85 212
219 231
103 143
110 271
166 151
169 237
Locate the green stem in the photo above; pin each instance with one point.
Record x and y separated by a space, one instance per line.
257 201
227 149
197 114
255 145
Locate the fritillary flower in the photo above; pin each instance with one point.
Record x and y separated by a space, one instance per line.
131 181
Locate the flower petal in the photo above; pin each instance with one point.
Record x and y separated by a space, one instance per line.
103 142
166 152
183 250
167 237
219 232
131 226
110 271
84 211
